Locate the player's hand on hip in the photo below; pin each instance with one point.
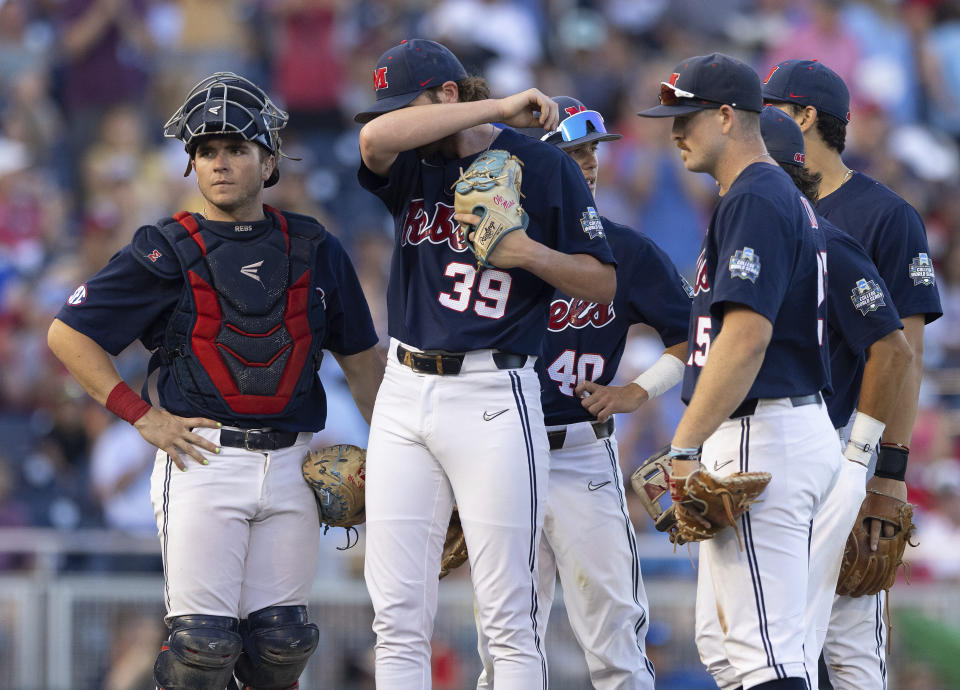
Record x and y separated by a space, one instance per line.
173 435
530 108
891 487
603 401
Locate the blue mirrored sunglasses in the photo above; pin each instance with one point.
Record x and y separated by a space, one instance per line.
578 125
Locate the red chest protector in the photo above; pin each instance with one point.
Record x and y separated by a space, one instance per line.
244 339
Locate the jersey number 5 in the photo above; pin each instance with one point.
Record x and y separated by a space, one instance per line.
698 356
492 292
568 369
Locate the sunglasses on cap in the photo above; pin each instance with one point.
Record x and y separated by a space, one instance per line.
670 95
578 125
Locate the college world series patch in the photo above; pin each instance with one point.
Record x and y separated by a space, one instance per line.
921 270
745 264
867 296
591 223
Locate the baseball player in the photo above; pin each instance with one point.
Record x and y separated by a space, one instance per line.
869 358
458 417
237 305
587 533
893 234
755 370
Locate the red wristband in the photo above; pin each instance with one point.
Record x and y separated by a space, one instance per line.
126 404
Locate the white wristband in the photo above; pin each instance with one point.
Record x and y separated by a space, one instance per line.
864 438
663 375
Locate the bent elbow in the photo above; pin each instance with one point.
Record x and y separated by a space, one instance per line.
607 285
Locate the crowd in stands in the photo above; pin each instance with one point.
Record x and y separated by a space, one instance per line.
86 86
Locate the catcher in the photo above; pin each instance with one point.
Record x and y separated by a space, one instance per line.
459 408
238 304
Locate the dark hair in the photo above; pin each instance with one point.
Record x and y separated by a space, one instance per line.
807 182
832 130
469 88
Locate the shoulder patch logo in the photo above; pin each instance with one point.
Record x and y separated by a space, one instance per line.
745 264
78 297
867 296
591 223
921 270
154 256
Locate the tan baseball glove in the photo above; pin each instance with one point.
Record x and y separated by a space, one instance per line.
865 572
706 504
337 475
490 189
454 546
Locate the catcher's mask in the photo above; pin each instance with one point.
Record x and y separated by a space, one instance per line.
227 104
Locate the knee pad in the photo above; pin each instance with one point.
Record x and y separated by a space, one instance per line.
277 643
200 653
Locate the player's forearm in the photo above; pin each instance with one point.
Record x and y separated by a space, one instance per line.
384 137
578 275
364 372
900 423
888 362
735 357
89 363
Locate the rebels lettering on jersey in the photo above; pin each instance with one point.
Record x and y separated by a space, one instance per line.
763 250
585 340
577 313
437 298
892 232
440 228
860 312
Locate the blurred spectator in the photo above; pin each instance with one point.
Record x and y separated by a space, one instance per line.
938 526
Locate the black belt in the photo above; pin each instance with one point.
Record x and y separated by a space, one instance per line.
257 439
449 363
600 429
749 406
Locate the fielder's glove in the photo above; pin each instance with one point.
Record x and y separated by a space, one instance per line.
454 546
649 482
706 504
865 572
490 188
337 475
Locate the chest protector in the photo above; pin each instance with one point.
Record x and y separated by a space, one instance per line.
244 339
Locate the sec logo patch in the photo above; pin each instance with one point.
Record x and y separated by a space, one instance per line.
79 296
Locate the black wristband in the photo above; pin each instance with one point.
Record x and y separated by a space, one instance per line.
892 462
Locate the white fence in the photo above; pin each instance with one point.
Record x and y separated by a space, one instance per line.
87 632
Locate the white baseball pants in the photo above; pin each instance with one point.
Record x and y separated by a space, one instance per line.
589 539
761 593
477 439
239 534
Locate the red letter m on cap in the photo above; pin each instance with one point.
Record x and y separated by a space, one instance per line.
380 78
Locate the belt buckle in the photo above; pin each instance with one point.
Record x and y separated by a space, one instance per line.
246 440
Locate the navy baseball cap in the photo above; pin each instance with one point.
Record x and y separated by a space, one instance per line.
708 81
808 82
783 137
577 126
407 70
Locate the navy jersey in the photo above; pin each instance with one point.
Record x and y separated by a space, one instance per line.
437 299
764 250
585 340
860 311
124 302
892 232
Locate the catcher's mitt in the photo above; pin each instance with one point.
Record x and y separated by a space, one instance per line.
490 188
337 475
706 504
864 572
454 546
649 482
